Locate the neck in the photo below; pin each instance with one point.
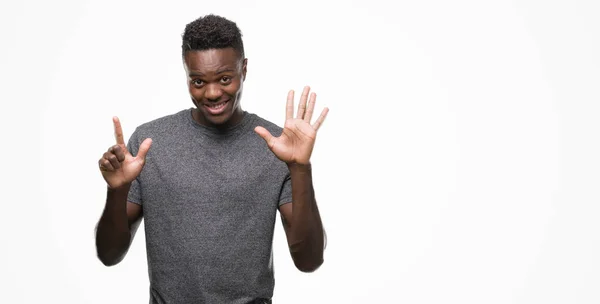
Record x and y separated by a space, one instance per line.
235 119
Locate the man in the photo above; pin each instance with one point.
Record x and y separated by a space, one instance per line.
209 180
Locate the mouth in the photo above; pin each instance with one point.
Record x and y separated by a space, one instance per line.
216 108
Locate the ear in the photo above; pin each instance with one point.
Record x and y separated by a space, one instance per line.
244 65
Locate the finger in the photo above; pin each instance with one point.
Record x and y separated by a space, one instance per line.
144 147
289 107
311 107
105 165
118 151
114 162
321 119
265 134
302 102
118 131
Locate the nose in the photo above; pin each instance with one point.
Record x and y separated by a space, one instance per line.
213 92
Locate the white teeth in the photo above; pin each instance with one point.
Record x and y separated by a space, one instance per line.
216 106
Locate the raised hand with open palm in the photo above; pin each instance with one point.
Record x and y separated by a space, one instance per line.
296 142
117 165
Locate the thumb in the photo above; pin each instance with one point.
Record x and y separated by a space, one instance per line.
265 134
144 147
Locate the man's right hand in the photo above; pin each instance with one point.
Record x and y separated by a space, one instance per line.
119 168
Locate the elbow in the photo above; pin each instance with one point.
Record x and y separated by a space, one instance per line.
109 260
306 258
110 255
108 263
309 266
112 251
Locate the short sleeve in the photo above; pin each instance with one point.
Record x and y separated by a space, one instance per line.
285 195
135 191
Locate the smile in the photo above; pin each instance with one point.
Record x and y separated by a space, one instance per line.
216 108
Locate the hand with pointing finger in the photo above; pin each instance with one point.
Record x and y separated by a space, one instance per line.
297 140
117 165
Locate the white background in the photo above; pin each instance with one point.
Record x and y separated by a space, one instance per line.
460 162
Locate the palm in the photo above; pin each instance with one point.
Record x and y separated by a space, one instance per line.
296 142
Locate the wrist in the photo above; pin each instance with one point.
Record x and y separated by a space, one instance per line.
300 167
119 189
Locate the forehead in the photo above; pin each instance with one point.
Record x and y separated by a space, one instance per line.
211 60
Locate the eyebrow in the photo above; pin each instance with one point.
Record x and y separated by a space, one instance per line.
195 73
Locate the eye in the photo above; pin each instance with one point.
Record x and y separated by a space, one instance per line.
197 82
225 79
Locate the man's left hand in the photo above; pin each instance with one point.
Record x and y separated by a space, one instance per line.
296 142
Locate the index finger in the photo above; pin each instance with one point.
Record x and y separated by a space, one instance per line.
289 108
118 131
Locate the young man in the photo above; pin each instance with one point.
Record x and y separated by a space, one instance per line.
209 180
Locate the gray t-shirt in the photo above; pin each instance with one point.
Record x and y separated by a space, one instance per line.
209 200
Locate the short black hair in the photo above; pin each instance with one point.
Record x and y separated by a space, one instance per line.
212 32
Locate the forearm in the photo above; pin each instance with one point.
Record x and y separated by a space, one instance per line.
306 228
113 235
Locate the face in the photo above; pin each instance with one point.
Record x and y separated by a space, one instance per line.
215 82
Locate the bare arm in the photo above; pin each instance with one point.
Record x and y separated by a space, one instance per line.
120 219
117 226
302 221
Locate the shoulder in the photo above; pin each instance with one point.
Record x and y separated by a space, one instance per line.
270 126
164 124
